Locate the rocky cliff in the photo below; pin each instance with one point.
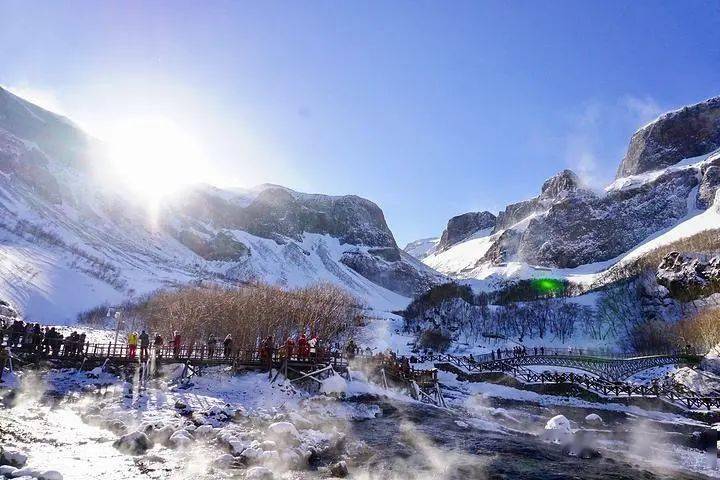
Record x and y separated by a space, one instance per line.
685 133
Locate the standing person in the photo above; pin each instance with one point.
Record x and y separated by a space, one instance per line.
303 347
211 342
144 345
81 343
351 349
312 345
227 345
176 344
289 347
158 344
132 344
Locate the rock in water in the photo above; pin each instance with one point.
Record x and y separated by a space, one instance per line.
134 443
594 419
340 469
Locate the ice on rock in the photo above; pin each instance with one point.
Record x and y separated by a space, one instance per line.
594 419
259 473
13 457
558 429
334 385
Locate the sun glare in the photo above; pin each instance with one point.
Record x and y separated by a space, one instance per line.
152 157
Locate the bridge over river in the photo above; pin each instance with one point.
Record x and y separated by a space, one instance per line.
604 374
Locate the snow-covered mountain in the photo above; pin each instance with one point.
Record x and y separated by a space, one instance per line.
669 176
421 248
70 241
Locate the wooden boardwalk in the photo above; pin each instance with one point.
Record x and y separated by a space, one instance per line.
667 390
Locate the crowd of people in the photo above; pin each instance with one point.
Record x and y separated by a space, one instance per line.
31 337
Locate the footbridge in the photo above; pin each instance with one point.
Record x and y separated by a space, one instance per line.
612 367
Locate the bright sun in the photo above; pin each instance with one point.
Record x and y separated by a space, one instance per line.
153 156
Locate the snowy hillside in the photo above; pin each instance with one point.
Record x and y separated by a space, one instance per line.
421 248
70 241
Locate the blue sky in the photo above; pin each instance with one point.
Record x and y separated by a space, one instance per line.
430 109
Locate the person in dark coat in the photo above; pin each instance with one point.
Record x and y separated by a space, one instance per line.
144 345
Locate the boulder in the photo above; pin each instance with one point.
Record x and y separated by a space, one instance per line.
50 475
339 469
180 439
558 430
13 457
134 443
594 419
283 433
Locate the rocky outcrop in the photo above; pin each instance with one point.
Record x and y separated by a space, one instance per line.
421 248
462 226
708 185
689 278
586 228
558 187
685 133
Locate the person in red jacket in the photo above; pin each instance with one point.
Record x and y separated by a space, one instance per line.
289 347
303 347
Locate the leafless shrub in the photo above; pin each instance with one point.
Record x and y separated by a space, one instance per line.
251 312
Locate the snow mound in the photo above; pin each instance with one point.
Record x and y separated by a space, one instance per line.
335 385
50 475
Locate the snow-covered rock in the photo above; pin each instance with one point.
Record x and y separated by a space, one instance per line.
689 277
259 473
558 429
283 433
334 385
162 434
181 439
224 461
26 472
50 475
134 443
699 382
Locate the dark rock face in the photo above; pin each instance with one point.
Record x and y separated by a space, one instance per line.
689 278
685 133
574 226
462 226
279 212
708 185
221 246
